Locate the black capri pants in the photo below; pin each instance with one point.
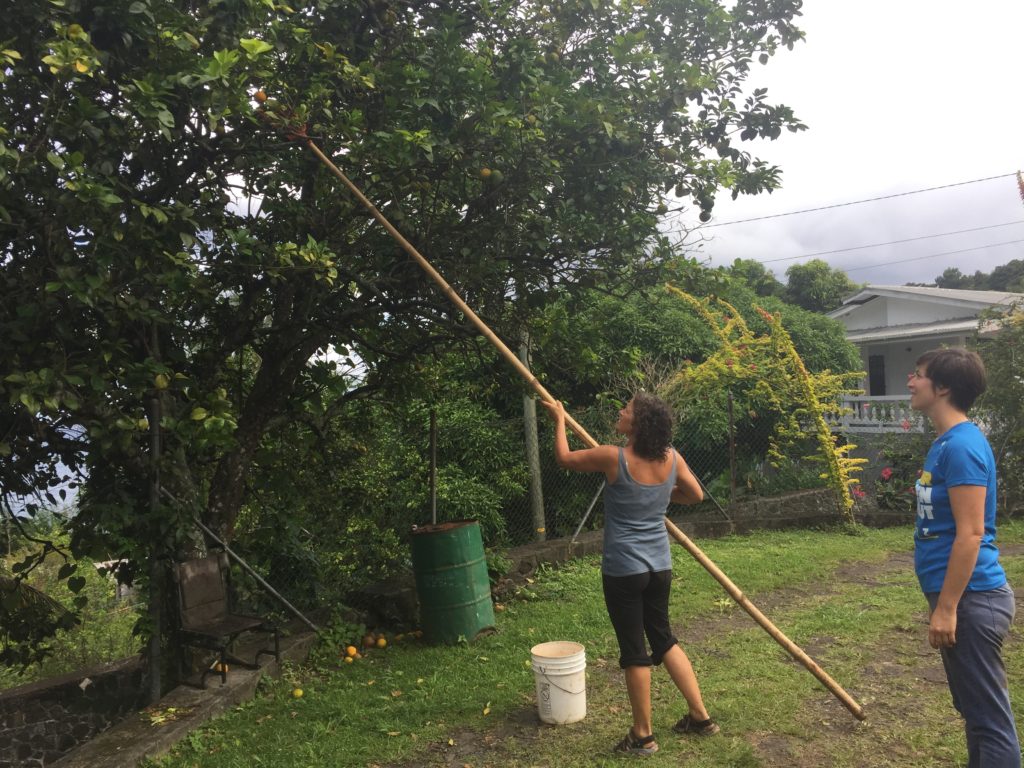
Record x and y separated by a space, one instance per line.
638 605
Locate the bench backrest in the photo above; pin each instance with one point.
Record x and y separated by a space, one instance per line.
202 590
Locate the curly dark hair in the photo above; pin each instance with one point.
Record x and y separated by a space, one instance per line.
652 427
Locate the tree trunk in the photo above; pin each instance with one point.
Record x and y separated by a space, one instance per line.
274 382
156 581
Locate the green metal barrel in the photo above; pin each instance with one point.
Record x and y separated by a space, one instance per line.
451 581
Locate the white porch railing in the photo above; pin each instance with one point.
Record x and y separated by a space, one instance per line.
887 413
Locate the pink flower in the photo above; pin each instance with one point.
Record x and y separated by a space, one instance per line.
858 492
906 425
886 473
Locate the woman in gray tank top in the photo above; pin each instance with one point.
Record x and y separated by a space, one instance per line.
636 565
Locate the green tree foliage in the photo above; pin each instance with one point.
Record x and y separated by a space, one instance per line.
583 338
341 485
758 277
171 263
816 286
61 614
1006 277
1001 408
594 348
767 378
952 277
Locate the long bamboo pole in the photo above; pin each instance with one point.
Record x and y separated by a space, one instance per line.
527 374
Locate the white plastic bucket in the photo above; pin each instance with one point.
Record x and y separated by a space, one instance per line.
559 669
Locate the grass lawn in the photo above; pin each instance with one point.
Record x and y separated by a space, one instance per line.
850 601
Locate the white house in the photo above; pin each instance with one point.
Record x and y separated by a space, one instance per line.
892 326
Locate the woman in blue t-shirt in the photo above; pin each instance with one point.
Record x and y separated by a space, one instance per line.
955 555
636 564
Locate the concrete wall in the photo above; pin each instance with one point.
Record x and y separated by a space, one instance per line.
887 311
42 721
902 311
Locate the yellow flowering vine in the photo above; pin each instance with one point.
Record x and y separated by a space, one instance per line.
773 378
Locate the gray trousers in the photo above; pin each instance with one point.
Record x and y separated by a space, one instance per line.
977 677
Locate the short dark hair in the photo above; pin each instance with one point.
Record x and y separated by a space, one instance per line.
960 371
652 426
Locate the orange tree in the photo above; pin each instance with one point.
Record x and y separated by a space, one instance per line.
767 376
170 265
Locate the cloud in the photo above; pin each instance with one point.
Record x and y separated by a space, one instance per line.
899 97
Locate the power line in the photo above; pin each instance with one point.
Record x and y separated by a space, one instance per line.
935 255
857 202
889 242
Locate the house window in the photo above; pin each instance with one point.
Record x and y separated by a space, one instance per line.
876 375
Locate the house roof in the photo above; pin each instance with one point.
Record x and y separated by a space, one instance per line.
915 330
976 300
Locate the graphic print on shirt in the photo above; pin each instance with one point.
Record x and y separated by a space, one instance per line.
924 500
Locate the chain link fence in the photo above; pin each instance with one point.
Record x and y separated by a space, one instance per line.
731 469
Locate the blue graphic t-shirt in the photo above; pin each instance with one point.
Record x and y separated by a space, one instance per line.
960 456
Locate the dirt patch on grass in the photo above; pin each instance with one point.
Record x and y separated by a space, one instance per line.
475 749
905 671
902 672
734 618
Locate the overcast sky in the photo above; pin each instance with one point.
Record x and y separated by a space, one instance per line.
899 95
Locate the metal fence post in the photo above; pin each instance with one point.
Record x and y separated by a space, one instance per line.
533 450
732 453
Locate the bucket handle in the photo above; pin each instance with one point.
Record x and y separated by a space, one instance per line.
544 672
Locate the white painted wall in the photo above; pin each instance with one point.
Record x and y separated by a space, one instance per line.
870 315
900 358
883 312
905 311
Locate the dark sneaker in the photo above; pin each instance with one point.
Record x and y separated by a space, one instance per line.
688 725
631 745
